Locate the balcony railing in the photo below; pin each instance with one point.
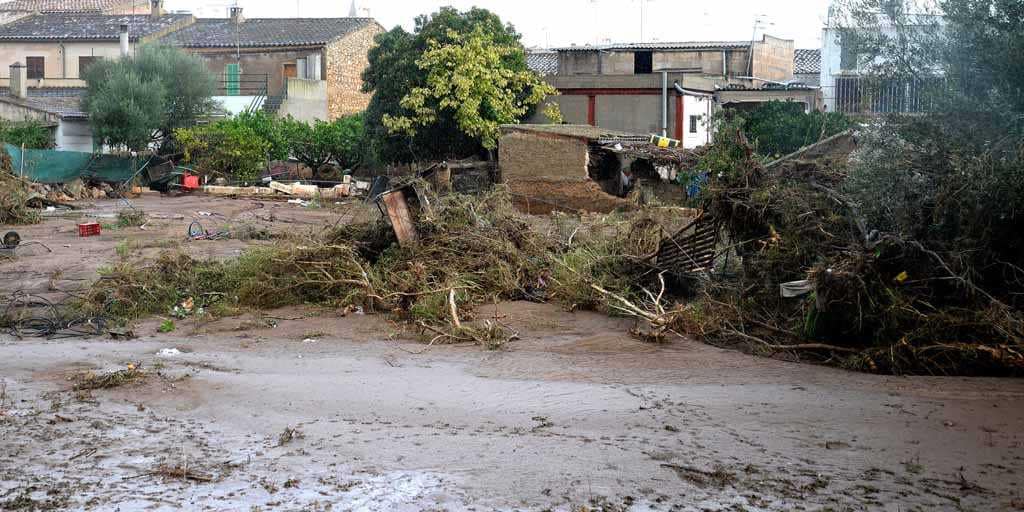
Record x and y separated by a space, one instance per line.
245 84
869 95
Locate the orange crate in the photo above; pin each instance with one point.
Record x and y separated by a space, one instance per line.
89 229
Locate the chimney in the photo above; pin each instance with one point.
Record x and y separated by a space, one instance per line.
124 40
236 15
19 80
156 8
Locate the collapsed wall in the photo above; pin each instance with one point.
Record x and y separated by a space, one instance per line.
548 169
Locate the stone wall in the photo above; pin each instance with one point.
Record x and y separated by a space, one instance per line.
548 173
523 155
345 61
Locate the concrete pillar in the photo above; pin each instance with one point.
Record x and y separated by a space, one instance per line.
123 38
19 80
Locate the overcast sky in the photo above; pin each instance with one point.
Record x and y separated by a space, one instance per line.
564 22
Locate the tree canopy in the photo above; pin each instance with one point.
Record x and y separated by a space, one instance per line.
135 101
443 90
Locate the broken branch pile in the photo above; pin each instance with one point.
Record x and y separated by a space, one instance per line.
907 266
470 251
14 196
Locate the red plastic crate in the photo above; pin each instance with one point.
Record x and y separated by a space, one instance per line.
190 182
89 229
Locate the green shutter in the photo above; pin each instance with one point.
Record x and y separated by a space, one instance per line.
232 79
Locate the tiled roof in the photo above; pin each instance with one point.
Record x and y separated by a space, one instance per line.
264 32
689 45
88 27
806 62
64 102
69 6
543 62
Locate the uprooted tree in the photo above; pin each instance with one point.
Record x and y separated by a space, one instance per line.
910 252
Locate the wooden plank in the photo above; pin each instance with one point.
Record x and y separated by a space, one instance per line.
401 219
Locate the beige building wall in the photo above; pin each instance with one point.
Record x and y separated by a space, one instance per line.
59 60
773 59
345 61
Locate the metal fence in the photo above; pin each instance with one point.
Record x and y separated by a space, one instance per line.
869 95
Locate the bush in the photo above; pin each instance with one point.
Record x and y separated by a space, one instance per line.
228 148
32 134
779 128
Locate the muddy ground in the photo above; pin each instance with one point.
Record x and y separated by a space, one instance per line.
303 409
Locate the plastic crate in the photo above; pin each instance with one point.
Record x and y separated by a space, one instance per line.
89 229
190 182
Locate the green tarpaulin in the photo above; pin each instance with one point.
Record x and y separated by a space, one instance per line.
52 166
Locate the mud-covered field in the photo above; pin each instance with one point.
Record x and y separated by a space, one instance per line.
304 409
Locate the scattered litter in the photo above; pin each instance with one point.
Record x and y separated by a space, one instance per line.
299 202
310 340
288 435
168 352
89 380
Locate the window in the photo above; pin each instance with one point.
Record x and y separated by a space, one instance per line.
35 66
643 63
849 50
84 63
694 120
232 79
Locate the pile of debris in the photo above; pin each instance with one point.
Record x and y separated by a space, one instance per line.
14 196
76 190
815 278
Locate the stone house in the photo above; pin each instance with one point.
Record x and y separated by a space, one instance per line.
310 68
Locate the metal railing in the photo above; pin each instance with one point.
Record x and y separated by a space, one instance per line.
244 84
870 95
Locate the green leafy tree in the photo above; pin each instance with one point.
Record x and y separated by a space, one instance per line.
409 65
467 80
166 89
228 148
125 109
346 144
308 143
268 128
